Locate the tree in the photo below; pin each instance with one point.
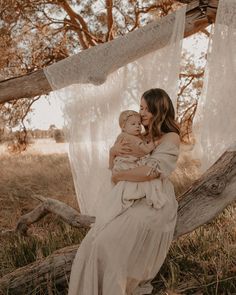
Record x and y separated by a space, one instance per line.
216 188
190 88
26 45
46 31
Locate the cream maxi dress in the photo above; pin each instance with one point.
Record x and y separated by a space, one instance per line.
125 249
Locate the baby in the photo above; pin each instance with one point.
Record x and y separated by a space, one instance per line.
124 193
130 124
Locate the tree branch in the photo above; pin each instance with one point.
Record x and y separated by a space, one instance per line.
73 16
209 195
67 213
36 83
25 86
109 6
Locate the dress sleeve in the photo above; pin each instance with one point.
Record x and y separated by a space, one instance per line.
163 159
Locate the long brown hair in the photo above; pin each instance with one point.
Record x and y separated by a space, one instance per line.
161 107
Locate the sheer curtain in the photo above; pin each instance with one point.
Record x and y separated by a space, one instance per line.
215 120
92 111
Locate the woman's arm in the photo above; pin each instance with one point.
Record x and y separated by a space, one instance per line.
159 164
138 174
118 149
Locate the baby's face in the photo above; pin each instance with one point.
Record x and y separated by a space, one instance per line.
133 125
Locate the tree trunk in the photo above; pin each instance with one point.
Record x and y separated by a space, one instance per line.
202 202
197 18
209 195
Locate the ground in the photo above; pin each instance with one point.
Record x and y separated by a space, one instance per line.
202 262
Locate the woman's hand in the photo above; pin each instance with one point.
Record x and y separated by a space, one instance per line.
120 149
125 148
137 151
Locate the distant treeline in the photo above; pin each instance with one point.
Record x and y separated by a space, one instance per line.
30 135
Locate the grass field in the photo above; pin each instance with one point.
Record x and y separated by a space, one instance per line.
203 262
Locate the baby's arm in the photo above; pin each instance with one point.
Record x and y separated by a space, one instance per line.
146 148
138 147
127 144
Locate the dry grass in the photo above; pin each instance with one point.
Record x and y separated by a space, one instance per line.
202 262
22 177
186 172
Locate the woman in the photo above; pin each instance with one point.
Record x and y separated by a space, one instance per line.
127 254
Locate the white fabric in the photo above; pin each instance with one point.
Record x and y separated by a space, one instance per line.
96 63
156 192
215 121
92 111
124 255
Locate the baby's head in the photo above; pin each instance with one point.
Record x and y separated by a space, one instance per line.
130 122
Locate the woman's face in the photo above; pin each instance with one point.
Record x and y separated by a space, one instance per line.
146 116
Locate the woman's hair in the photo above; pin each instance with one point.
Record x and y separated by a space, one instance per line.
161 107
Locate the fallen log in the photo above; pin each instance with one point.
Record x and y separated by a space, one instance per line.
202 202
67 213
54 269
198 17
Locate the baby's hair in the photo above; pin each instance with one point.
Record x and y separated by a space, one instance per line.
125 115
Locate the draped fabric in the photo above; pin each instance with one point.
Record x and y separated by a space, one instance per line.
92 111
121 254
156 192
96 63
215 120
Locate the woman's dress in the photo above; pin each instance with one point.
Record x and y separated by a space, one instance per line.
123 252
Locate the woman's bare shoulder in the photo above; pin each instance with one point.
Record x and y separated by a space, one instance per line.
171 137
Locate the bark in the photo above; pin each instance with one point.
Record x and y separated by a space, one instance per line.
209 195
197 18
43 273
67 213
202 202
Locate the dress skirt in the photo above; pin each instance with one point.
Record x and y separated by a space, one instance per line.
127 254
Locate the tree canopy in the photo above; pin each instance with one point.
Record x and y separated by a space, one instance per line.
35 34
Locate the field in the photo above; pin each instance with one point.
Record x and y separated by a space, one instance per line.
202 262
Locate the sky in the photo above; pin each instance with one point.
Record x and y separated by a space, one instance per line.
48 111
45 112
